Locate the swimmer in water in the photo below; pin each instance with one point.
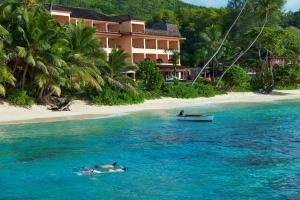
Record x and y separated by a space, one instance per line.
88 172
108 166
124 169
112 166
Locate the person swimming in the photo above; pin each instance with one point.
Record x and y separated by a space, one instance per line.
124 169
94 171
107 166
112 166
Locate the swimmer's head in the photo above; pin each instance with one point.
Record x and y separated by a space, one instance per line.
125 168
114 164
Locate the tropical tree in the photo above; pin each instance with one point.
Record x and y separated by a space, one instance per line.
223 41
6 77
115 72
211 39
149 75
36 53
84 58
46 56
270 9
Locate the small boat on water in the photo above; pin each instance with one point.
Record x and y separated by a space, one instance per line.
195 118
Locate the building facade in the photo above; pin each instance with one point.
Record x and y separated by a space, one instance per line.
130 34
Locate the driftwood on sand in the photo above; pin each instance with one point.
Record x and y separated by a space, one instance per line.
61 104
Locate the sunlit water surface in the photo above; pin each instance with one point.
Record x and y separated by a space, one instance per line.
249 152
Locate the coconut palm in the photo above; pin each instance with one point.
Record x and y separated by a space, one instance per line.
6 77
48 55
211 38
265 8
36 53
84 57
115 72
222 42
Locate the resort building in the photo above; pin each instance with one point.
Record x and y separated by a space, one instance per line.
130 34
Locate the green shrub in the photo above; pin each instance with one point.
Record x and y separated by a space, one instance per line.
149 75
287 77
114 96
236 79
187 90
287 87
205 90
152 95
19 97
180 91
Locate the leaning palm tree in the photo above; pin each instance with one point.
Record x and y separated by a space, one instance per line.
222 42
266 8
115 72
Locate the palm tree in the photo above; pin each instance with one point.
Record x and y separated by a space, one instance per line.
223 41
267 8
35 55
6 77
84 57
211 39
115 72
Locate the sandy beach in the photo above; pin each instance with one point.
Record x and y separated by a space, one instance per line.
11 114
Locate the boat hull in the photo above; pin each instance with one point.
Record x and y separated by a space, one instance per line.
208 118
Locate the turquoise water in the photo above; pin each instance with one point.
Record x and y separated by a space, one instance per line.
249 152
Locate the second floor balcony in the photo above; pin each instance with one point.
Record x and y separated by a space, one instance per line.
159 59
154 44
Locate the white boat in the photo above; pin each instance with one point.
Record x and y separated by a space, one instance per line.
195 118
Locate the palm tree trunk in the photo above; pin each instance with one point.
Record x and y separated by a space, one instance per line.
40 93
244 52
24 76
271 71
222 43
15 66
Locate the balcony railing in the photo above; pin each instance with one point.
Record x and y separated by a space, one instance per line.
114 46
150 47
101 30
138 31
138 46
162 48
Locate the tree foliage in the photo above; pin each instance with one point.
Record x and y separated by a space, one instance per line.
237 79
149 76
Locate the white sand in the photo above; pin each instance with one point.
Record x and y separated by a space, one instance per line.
80 110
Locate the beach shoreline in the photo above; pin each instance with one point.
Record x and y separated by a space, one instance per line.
11 114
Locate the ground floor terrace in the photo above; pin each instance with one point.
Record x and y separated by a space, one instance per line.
180 73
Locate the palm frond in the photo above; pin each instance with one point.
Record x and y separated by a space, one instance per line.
2 90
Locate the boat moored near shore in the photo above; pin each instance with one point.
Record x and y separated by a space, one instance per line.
195 118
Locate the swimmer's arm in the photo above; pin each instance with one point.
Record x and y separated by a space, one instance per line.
99 172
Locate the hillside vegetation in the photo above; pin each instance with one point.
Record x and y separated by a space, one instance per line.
140 8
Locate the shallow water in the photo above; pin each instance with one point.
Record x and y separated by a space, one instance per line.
249 152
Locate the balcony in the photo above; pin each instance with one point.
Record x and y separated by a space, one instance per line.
113 28
173 45
138 43
150 44
138 28
162 44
